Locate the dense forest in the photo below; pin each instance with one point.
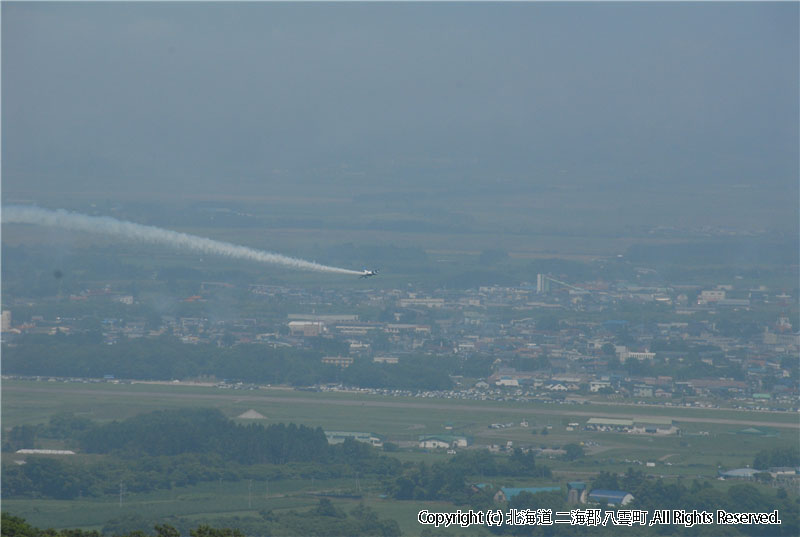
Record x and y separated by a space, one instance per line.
171 448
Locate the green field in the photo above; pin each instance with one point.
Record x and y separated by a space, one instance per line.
210 498
404 419
28 402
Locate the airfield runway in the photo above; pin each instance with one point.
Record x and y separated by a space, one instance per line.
391 404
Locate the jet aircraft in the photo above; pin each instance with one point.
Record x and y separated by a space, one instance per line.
368 273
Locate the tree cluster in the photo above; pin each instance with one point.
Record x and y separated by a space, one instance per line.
166 358
449 480
777 457
164 449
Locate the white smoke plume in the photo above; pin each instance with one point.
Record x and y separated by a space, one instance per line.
16 214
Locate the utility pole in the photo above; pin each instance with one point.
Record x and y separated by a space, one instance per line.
250 494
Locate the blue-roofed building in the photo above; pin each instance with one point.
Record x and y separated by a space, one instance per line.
612 497
507 493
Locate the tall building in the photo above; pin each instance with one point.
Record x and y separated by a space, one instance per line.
542 284
6 322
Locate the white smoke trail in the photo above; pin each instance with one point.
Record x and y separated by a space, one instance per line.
16 214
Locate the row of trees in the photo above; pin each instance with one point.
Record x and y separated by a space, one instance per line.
174 432
182 431
166 358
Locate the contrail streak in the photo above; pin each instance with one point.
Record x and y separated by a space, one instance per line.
17 214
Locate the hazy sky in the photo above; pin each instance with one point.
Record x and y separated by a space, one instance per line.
189 93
